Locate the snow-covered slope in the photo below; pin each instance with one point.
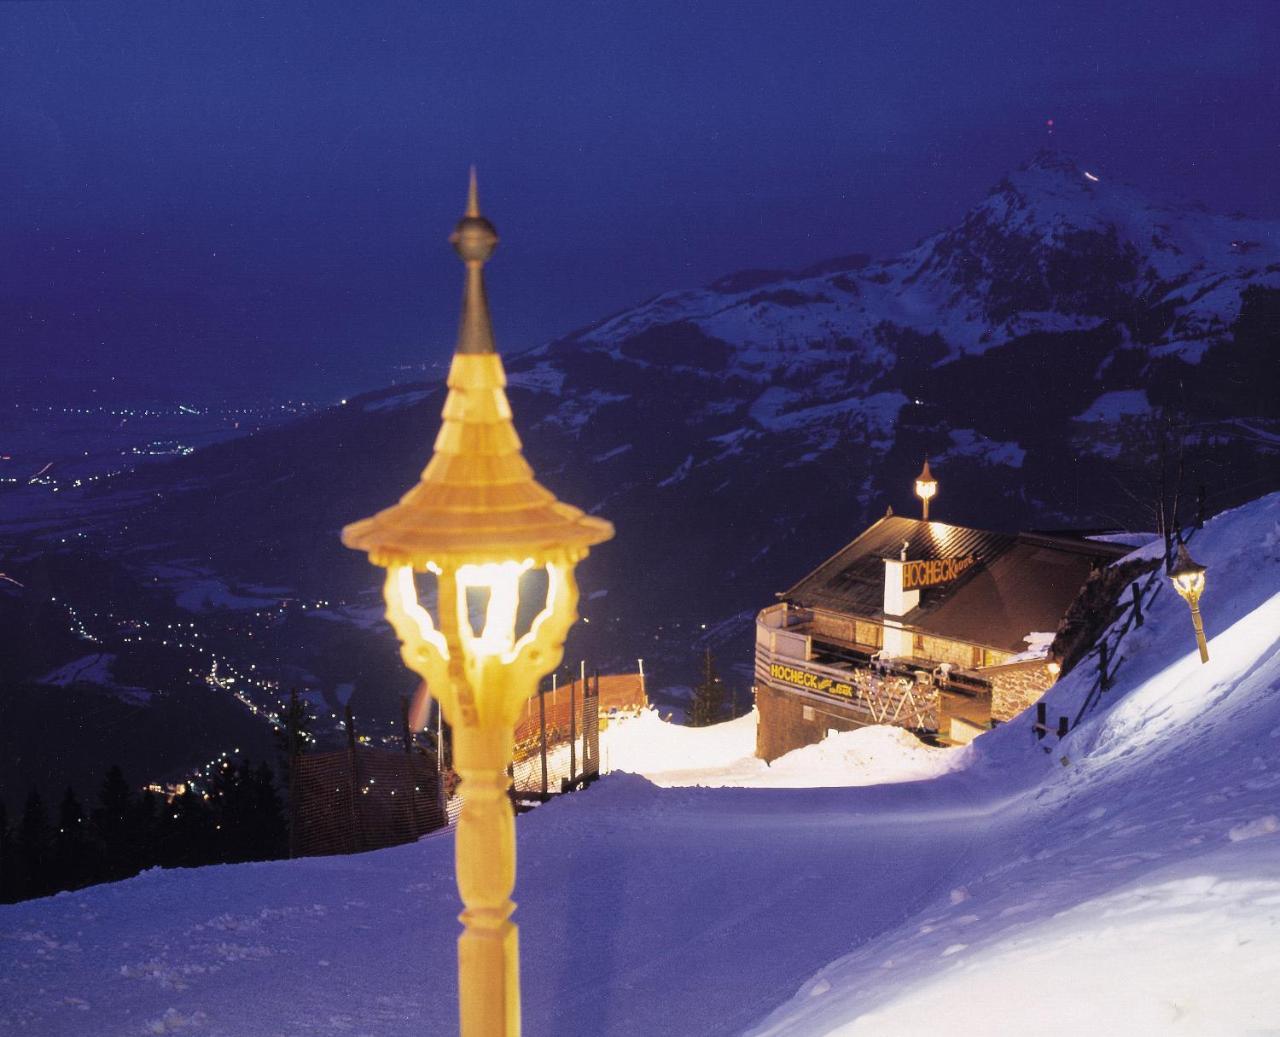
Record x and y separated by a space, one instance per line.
1127 881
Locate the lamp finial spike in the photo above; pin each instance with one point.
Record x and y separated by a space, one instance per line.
473 196
474 239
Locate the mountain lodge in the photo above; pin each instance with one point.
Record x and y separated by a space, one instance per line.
918 624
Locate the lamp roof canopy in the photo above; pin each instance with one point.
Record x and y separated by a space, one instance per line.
1184 564
477 500
925 475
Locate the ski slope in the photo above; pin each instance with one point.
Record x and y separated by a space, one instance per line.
1125 882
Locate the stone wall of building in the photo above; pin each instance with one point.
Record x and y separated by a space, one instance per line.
789 721
1015 686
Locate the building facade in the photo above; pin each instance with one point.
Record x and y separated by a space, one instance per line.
919 624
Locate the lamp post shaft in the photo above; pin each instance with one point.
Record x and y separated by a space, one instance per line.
488 949
1200 641
925 502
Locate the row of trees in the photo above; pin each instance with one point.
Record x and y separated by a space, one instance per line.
240 818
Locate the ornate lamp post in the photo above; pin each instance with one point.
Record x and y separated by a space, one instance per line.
477 522
926 488
1188 581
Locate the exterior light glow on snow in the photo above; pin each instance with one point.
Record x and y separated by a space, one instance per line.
926 488
1188 581
477 522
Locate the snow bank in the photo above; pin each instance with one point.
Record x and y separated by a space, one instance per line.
723 755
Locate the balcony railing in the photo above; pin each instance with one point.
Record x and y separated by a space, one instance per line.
887 691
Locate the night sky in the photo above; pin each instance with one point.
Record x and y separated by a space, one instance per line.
256 197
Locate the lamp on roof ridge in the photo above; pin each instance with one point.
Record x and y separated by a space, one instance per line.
926 488
478 521
1188 580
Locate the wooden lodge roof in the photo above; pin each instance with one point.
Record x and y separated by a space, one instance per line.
1021 582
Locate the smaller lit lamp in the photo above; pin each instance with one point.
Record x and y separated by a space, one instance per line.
926 487
1188 581
1054 668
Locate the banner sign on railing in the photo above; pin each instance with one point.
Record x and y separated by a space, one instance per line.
809 681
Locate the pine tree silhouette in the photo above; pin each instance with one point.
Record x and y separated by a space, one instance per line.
74 862
112 822
8 861
709 696
36 846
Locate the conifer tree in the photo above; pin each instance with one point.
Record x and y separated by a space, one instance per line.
293 734
35 841
8 864
248 814
73 860
709 695
111 820
188 833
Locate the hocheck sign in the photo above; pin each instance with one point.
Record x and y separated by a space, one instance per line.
934 572
811 681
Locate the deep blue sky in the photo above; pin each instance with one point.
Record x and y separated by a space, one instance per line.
258 195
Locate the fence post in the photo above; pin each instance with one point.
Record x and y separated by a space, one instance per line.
1042 718
1137 605
542 726
293 773
573 732
357 837
591 729
1062 727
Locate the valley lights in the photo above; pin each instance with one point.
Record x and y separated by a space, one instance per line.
1188 581
481 527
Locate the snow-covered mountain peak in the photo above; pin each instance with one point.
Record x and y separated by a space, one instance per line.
1054 247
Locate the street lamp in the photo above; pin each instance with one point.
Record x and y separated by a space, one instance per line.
926 487
481 526
1188 581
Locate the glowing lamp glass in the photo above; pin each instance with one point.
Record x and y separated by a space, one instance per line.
925 490
502 582
1189 584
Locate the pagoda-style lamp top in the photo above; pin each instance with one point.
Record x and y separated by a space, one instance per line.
477 500
926 484
1187 575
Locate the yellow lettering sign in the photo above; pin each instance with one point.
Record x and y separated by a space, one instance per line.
810 681
933 572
